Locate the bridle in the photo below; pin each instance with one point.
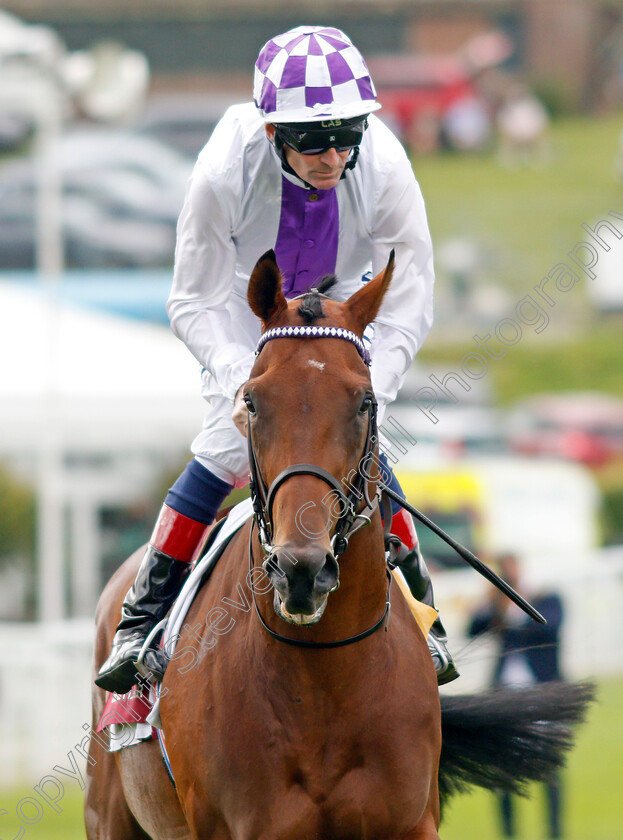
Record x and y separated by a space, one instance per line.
263 497
356 506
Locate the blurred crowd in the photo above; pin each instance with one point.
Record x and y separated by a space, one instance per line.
516 128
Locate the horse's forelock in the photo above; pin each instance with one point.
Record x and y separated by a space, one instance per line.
326 283
311 308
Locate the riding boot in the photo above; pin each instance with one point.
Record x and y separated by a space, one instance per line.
411 563
176 542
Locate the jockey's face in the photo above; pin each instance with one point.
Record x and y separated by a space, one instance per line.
322 171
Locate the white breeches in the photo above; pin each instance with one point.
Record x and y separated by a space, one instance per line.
220 447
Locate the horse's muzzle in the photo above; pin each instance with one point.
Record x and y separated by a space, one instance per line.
303 577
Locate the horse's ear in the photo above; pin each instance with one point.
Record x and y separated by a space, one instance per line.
264 294
364 305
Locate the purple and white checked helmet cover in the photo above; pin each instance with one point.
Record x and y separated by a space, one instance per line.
312 73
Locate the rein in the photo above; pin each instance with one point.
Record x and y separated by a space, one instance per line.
350 520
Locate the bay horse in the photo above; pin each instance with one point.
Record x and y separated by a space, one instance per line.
316 713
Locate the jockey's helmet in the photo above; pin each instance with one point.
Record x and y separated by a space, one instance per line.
314 74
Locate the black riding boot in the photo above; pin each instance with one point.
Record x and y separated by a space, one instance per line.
158 582
412 565
174 546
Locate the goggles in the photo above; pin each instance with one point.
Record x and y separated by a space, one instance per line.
315 138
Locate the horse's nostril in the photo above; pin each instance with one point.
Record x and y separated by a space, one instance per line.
303 576
271 565
327 579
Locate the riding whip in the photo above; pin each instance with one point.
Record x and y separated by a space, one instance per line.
469 557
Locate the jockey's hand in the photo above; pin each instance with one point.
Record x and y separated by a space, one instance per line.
240 414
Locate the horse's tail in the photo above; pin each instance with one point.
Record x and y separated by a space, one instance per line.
505 738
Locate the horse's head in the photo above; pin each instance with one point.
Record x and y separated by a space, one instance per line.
310 403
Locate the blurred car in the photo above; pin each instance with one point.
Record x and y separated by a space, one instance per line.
92 237
121 196
469 425
460 430
535 507
580 426
433 99
183 122
412 88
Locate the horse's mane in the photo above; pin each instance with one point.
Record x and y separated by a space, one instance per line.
310 308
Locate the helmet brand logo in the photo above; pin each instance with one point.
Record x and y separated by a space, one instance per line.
331 123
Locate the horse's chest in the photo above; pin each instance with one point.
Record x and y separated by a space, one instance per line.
371 790
301 753
309 776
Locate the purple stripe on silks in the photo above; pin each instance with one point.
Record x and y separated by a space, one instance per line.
366 90
266 56
293 74
314 47
291 44
339 69
338 43
306 247
268 100
313 95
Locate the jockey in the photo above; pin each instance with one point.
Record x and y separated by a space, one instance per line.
309 169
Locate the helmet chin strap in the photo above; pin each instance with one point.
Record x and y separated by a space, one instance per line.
280 148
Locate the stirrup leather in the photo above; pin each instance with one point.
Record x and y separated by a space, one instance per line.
156 664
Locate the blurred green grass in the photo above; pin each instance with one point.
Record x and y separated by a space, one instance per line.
528 219
530 216
587 360
593 783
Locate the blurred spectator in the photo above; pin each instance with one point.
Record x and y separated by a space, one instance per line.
466 125
529 653
522 124
423 132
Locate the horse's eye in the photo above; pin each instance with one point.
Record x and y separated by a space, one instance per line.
365 404
249 404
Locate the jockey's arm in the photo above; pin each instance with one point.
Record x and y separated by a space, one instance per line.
205 259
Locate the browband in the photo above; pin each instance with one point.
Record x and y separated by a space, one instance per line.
315 332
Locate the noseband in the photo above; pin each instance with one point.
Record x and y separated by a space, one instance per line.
350 519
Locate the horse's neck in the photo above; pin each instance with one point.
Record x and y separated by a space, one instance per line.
363 577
